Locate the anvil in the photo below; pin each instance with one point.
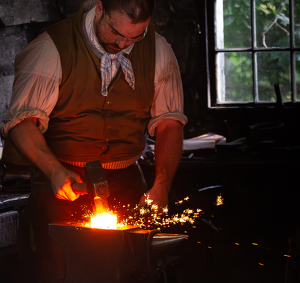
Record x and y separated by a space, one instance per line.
126 255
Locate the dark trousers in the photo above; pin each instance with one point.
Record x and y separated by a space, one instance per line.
40 258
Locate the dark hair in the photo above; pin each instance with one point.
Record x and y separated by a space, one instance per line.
137 10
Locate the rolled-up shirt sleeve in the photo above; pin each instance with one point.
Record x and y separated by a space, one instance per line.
36 84
168 96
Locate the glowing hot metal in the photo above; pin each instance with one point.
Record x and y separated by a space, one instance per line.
104 221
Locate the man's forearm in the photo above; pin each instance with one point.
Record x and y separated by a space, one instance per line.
30 142
168 150
28 139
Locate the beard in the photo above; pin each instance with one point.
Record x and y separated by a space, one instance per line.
110 45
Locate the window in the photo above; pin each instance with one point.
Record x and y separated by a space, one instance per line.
256 45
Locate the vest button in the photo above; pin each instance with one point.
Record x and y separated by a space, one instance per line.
107 140
108 102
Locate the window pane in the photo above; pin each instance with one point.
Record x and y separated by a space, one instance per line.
297 22
273 67
272 23
234 77
233 23
297 59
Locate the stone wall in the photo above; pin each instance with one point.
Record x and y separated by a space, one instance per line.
12 39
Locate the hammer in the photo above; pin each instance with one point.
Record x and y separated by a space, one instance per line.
96 186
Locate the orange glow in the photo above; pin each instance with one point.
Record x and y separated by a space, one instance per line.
219 200
104 221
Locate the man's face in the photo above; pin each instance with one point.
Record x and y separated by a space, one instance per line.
115 32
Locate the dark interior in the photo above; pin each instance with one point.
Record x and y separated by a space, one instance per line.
254 235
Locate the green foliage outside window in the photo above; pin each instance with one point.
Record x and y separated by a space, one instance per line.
272 31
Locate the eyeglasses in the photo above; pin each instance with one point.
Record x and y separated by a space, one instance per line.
116 35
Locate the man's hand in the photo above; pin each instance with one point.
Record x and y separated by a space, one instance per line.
61 183
158 195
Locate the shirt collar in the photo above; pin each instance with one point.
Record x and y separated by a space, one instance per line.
90 31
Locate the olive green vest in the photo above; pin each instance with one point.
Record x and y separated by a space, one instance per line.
85 125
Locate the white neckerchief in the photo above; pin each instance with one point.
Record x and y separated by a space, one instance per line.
99 51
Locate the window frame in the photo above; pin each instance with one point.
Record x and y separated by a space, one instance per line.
212 52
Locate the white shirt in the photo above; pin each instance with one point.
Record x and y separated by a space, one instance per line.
38 75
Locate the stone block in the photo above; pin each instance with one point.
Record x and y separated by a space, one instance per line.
17 12
70 7
12 39
6 84
9 223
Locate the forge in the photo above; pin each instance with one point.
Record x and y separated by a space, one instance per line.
125 254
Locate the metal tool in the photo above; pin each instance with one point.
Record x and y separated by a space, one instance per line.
95 186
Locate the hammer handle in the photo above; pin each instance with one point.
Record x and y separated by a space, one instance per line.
79 188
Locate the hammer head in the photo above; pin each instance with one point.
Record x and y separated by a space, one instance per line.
96 183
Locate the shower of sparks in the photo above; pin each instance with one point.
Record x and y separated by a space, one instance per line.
181 201
219 200
148 216
151 216
148 200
